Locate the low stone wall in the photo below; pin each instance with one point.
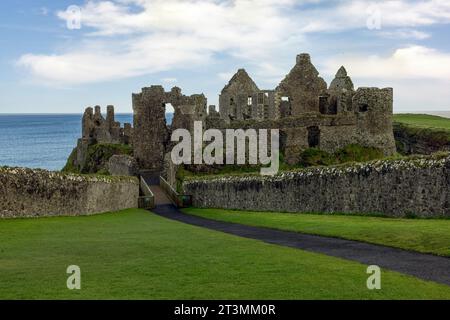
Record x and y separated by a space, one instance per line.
419 186
35 193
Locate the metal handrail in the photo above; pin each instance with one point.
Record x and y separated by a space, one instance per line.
146 189
147 201
180 200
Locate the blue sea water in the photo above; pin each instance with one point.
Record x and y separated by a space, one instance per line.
42 140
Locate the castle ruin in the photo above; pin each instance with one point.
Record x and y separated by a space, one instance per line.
307 111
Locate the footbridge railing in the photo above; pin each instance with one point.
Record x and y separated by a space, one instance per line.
147 200
180 200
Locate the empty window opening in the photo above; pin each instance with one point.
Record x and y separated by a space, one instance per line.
323 105
250 101
332 108
169 112
313 136
327 105
285 107
363 107
260 98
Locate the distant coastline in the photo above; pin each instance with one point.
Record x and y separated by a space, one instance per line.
442 113
45 140
445 114
42 141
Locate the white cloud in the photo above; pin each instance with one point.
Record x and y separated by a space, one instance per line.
413 62
170 80
126 38
405 34
162 35
393 14
419 75
226 76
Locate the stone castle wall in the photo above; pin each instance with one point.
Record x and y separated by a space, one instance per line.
96 129
150 130
36 193
308 113
151 133
393 188
334 131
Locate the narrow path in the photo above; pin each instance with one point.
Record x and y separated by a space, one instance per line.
160 196
423 266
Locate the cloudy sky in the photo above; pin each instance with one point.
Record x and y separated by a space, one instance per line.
54 58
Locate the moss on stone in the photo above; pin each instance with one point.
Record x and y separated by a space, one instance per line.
65 175
313 157
97 157
357 153
70 164
438 159
421 133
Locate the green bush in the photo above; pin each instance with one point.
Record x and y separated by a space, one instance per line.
97 158
351 153
316 157
70 166
356 153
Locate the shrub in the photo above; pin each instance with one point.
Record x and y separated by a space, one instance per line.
316 157
357 153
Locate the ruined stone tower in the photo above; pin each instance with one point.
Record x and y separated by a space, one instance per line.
97 129
150 130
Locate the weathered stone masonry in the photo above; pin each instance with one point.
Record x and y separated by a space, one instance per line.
96 129
393 188
36 193
307 112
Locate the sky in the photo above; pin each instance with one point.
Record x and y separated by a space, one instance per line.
63 56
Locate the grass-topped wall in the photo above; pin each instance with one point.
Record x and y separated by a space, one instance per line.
415 186
34 193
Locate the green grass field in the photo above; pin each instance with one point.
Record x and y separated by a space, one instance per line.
135 254
423 121
423 235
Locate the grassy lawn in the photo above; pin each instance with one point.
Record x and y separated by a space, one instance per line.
135 254
424 235
423 121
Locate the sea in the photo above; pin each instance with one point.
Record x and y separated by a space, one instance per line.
46 140
42 141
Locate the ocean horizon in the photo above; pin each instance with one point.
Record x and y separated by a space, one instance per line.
43 140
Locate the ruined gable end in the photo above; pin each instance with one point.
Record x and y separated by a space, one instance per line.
338 98
302 86
237 97
342 81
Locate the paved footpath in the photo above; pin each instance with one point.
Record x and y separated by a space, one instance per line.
423 266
